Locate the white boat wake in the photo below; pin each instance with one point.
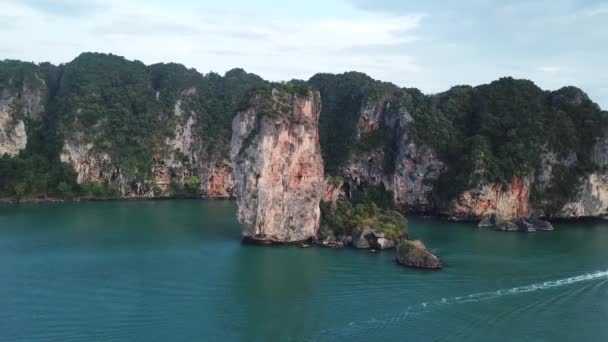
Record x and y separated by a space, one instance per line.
414 310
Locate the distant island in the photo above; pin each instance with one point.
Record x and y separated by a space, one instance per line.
105 127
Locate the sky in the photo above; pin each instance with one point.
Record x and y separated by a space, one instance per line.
428 44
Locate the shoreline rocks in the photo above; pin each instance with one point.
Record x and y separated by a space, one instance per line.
371 239
368 239
527 225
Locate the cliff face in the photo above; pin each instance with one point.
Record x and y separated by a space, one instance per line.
130 130
176 159
19 100
509 202
442 154
417 169
591 199
278 166
403 168
13 138
124 128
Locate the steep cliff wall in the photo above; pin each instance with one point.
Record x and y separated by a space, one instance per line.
588 196
176 160
408 173
13 137
591 199
378 149
467 152
21 98
278 166
506 201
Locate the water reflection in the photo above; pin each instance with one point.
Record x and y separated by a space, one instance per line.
275 283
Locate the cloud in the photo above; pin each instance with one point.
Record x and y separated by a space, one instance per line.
7 21
65 7
550 69
142 26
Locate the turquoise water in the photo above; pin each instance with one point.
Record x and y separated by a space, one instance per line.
176 271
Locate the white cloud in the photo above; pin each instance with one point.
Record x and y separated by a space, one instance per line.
599 10
550 69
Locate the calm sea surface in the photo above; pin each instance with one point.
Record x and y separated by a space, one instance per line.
176 271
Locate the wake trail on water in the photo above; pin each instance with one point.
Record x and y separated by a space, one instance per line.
415 310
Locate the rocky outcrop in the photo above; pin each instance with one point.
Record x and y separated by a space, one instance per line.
93 166
592 197
410 175
513 201
181 156
591 201
90 166
417 168
18 102
413 253
509 202
333 241
220 181
370 238
13 137
278 168
521 224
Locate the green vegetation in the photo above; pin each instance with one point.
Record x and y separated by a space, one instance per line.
99 190
133 108
373 194
190 188
193 185
343 96
36 175
278 105
249 139
36 171
335 181
346 219
495 132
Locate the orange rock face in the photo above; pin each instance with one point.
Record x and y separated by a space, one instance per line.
278 167
509 202
221 181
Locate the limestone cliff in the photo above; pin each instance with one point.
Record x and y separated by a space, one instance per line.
408 174
512 201
13 138
278 166
591 199
508 201
19 100
176 159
